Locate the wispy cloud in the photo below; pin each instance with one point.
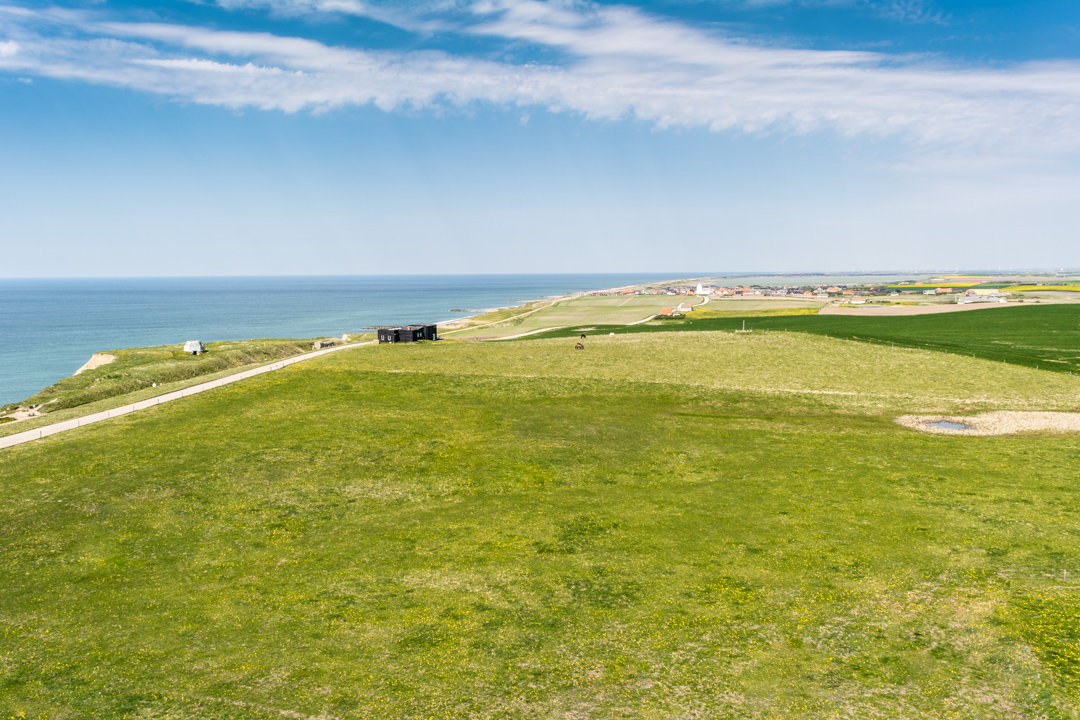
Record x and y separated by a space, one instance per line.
906 11
912 11
613 62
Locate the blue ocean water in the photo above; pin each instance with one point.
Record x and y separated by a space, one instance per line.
48 328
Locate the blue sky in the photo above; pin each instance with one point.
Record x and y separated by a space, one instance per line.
228 137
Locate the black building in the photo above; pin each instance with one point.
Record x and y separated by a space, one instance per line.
407 333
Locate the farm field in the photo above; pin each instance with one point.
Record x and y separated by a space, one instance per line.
1043 336
932 286
609 310
730 304
666 524
1038 288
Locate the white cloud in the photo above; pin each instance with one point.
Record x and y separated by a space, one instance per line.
615 62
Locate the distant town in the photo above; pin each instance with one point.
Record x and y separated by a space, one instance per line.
967 291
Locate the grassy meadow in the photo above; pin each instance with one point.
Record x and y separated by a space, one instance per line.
692 524
1044 336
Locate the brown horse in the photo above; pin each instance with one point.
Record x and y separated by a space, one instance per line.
579 346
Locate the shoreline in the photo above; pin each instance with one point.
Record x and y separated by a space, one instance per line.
58 324
100 358
450 327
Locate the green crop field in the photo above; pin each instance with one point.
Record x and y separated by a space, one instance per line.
1047 337
662 525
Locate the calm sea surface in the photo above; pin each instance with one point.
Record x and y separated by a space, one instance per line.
48 328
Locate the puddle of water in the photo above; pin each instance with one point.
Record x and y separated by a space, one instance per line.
947 425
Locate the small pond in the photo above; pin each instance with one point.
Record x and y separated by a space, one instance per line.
947 425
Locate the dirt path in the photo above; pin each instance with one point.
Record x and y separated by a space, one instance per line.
531 332
43 432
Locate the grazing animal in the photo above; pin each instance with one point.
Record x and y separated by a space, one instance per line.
582 336
579 346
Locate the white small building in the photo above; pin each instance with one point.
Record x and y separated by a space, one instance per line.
685 307
195 347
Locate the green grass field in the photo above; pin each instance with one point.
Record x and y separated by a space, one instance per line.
1047 337
662 525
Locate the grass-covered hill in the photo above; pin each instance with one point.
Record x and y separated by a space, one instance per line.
662 525
135 369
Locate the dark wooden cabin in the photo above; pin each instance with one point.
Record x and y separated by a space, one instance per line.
408 333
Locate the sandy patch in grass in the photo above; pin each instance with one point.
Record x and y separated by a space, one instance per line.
996 423
96 360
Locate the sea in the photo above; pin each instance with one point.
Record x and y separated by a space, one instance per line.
50 327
